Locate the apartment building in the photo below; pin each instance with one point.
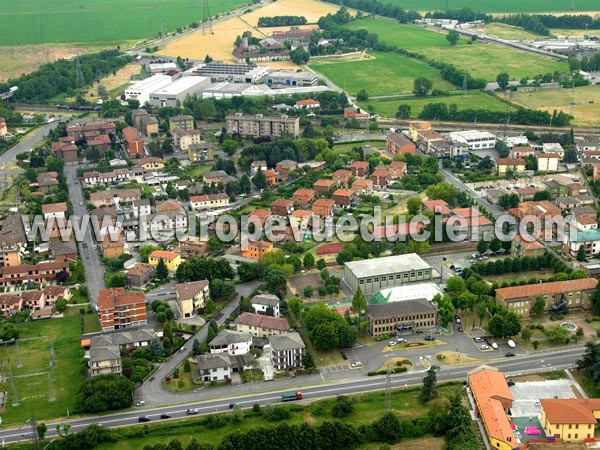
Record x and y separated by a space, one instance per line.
259 125
119 308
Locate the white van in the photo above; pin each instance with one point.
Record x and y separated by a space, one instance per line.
511 343
494 346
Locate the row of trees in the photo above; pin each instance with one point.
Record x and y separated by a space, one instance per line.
524 264
522 116
281 21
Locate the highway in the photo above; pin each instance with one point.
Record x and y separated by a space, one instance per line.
557 359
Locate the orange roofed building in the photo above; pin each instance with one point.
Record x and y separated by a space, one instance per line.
256 249
570 419
492 397
119 308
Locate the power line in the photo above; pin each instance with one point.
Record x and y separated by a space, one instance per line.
206 19
388 389
15 401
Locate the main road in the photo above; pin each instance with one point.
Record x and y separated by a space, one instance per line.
26 144
217 400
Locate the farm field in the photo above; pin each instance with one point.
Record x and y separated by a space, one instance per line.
499 6
32 379
480 59
63 21
378 73
473 100
115 84
505 31
586 109
310 9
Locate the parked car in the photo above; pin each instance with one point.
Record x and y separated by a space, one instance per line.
356 364
192 411
165 416
429 338
140 403
392 343
478 339
484 347
399 340
143 419
460 329
494 346
511 343
509 354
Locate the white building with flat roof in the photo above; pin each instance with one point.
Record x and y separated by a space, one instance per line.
407 292
474 139
141 90
552 147
178 90
373 275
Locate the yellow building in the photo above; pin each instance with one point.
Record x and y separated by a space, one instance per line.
172 259
191 297
570 419
516 165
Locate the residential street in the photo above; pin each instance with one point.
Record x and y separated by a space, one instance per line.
26 144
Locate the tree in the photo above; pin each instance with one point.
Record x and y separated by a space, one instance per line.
270 311
275 280
186 366
482 246
413 204
428 391
526 334
455 285
596 301
570 155
41 430
359 301
295 305
105 393
403 112
421 86
446 309
308 361
260 180
308 291
581 253
556 334
299 56
145 252
117 280
61 305
453 37
362 95
162 272
495 244
503 80
344 406
321 264
245 185
309 261
229 146
539 306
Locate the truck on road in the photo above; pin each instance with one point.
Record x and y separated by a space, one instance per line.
291 396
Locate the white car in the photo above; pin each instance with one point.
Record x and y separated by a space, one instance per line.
392 343
511 343
494 346
484 347
399 340
356 364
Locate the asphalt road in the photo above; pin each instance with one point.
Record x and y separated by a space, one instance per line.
556 359
26 144
94 272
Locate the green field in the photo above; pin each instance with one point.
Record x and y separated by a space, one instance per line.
473 100
480 59
42 21
378 73
32 379
499 5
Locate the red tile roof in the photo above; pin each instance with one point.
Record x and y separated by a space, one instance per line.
555 287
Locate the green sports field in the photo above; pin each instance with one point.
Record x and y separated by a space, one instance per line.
379 73
65 21
498 6
480 59
473 100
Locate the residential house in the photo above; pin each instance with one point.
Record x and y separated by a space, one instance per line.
380 178
54 210
216 177
191 297
10 304
287 351
201 152
256 249
210 201
566 202
119 308
65 151
362 186
134 142
493 398
342 177
182 139
343 197
282 207
522 151
257 166
389 318
304 197
113 247
33 300
503 165
262 302
548 162
575 294
260 215
193 246
359 169
271 177
184 122
36 273
53 293
544 211
104 360
141 208
152 163
171 259
397 169
285 167
64 250
553 147
140 275
525 194
231 342
398 144
589 240
308 103
322 186
555 188
168 206
217 367
570 419
261 325
300 219
323 207
526 247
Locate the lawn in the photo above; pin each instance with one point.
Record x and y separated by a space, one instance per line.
505 31
498 6
32 379
586 99
40 21
473 100
367 408
378 73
